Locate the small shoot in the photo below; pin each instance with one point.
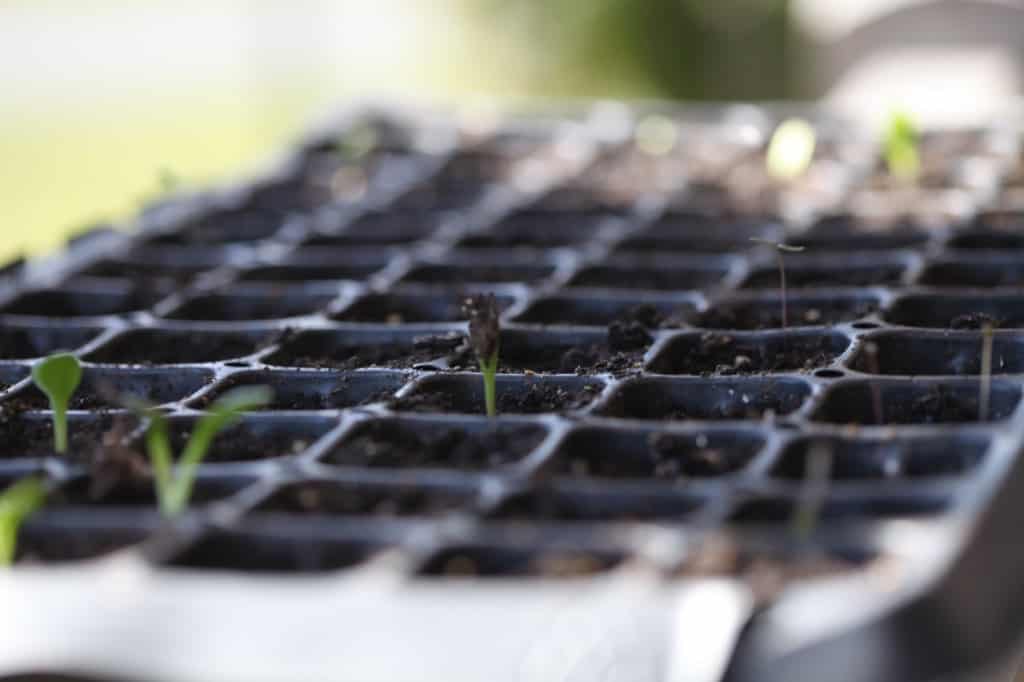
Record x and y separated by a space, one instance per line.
174 481
871 357
58 376
985 389
19 501
814 491
357 142
780 251
900 144
484 338
790 150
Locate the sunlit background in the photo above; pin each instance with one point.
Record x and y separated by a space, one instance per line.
99 99
102 97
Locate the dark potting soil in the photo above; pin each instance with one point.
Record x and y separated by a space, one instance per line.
390 445
176 348
439 349
976 321
768 314
535 398
936 406
726 355
329 499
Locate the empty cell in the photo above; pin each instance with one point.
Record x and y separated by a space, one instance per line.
355 349
313 273
179 346
382 228
79 302
598 311
885 458
300 390
699 233
945 353
807 273
606 504
619 350
459 444
992 230
243 306
105 388
178 265
274 548
914 402
653 455
481 273
464 393
332 498
957 311
781 510
848 233
765 312
256 437
22 342
710 399
498 561
229 225
408 307
971 271
654 275
54 537
745 353
541 229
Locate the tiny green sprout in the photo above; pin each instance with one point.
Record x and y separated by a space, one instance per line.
780 251
19 501
357 141
790 150
58 376
167 179
985 388
900 146
817 474
484 338
174 482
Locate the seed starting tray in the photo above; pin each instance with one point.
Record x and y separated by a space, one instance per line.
643 507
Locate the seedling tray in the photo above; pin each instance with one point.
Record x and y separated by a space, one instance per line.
629 515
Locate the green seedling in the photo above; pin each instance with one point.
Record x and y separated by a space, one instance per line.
357 142
780 251
58 376
900 147
985 389
19 501
174 481
484 338
790 150
814 491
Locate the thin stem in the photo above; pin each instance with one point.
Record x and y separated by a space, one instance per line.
489 369
60 428
782 287
871 350
817 474
986 372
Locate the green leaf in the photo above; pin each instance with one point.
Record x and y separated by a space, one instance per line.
900 146
791 149
226 411
58 376
17 503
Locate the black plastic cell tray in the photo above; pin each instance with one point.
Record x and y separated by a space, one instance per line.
647 382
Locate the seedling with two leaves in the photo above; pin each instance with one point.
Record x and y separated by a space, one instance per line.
174 480
900 142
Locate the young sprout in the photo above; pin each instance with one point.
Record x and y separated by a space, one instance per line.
817 474
174 481
58 376
19 501
790 150
484 338
986 371
780 251
357 142
871 356
900 146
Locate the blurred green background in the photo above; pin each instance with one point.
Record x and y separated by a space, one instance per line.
100 97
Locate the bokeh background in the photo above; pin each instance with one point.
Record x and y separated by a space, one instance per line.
102 100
